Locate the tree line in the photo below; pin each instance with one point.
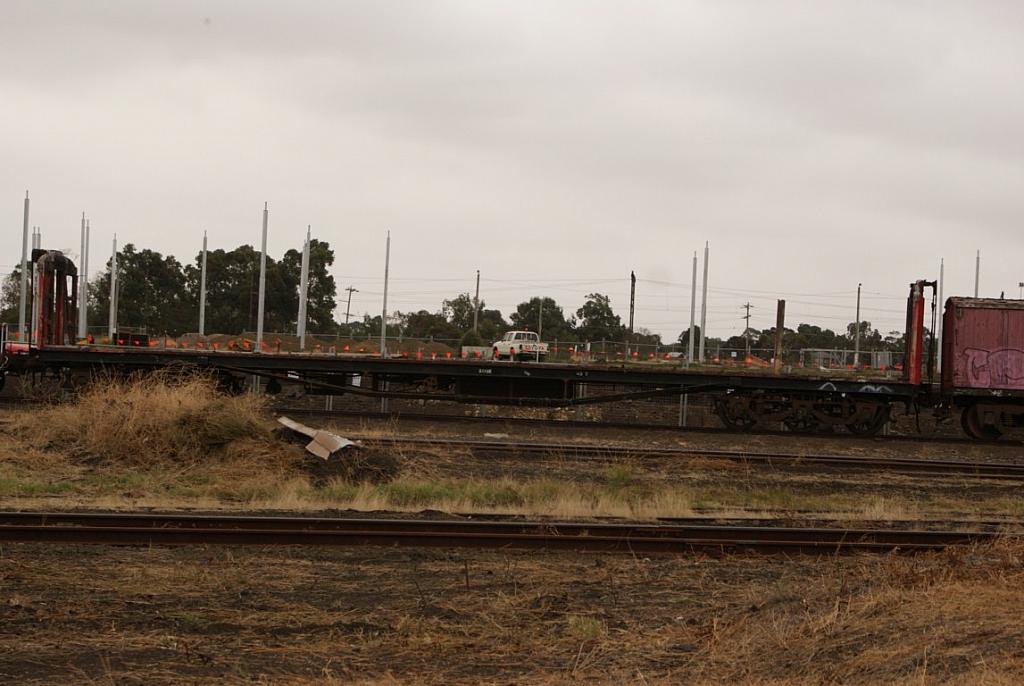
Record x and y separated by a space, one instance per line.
159 294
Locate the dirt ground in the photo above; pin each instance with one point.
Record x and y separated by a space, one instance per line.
339 616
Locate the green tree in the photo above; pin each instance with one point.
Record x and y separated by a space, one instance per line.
10 296
684 337
425 324
232 292
459 311
322 290
152 293
491 326
597 321
870 339
527 318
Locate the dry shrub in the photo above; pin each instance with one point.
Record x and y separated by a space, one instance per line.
163 416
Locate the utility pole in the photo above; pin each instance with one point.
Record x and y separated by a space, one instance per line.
81 283
23 302
384 312
304 291
856 334
632 305
977 272
540 326
202 290
693 312
632 299
746 329
703 305
348 305
112 318
476 302
83 297
263 283
1021 287
37 243
780 327
938 325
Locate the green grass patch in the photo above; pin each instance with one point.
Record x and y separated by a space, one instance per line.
17 486
619 477
584 628
409 493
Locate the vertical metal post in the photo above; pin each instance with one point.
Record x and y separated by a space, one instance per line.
304 291
977 272
202 290
942 305
348 305
780 327
703 306
83 298
112 317
384 310
81 271
384 319
632 301
540 327
746 329
693 312
263 282
856 334
476 302
23 302
37 242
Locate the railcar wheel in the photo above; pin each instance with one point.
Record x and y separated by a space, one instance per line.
975 427
872 424
736 413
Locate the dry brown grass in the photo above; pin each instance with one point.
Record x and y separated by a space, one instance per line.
171 442
244 615
144 419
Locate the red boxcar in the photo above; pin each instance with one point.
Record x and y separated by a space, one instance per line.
983 346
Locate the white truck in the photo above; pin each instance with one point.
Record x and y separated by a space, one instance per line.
520 345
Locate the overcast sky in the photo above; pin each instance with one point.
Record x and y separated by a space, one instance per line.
555 146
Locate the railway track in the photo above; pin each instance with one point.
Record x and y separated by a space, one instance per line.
435 418
535 449
144 529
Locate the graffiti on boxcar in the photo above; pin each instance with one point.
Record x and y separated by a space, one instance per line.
1003 368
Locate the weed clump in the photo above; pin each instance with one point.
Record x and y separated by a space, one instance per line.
143 419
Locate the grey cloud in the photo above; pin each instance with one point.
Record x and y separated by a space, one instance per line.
814 143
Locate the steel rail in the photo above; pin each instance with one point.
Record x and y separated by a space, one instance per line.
911 466
585 424
176 529
631 426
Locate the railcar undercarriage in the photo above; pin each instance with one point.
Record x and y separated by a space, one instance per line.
805 413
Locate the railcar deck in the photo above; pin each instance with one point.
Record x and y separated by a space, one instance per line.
472 377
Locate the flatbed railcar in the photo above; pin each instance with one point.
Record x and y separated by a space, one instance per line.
990 400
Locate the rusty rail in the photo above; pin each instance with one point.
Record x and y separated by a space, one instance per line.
537 449
413 416
176 529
